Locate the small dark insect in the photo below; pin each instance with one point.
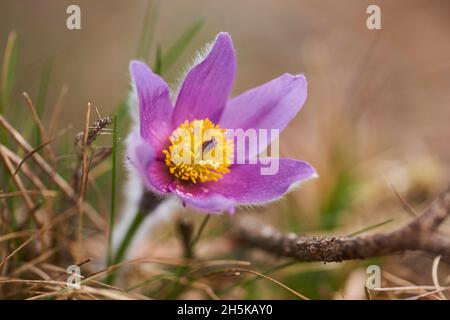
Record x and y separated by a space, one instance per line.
96 155
94 131
209 145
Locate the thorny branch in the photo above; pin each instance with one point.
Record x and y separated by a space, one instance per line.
420 234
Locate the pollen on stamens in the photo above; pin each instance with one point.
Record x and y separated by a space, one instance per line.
199 152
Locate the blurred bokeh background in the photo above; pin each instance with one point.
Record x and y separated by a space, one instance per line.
376 118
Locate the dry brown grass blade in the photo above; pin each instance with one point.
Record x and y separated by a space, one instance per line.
171 262
206 266
408 288
239 270
20 185
117 293
62 271
91 278
17 234
84 175
8 257
43 133
38 233
26 281
41 258
43 193
23 166
91 213
57 110
397 281
215 263
52 267
112 294
410 210
27 156
39 272
435 277
47 284
189 282
198 285
92 293
423 295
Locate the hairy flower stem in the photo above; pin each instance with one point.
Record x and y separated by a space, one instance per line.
134 226
197 236
147 205
177 287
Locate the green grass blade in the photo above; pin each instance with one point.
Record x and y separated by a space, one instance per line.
6 84
180 45
148 28
8 69
43 87
371 227
112 214
337 201
41 96
122 250
125 244
158 61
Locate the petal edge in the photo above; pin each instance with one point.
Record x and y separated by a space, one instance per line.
205 90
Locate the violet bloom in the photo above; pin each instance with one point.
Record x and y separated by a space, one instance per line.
203 99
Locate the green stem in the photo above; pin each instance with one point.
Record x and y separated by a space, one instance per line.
125 244
177 288
112 214
138 218
197 236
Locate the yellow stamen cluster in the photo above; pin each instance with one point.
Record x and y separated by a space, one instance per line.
199 152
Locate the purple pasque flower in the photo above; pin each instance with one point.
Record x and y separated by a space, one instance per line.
203 99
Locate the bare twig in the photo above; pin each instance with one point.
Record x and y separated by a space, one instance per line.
419 234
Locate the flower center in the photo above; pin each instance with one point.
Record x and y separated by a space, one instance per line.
199 152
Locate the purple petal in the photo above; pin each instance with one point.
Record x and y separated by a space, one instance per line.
206 88
148 164
205 202
270 106
244 185
155 107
